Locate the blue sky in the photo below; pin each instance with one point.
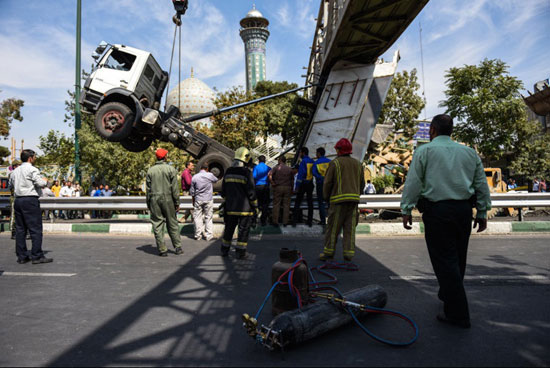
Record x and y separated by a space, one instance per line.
37 39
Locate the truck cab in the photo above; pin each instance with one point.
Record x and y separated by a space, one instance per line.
124 82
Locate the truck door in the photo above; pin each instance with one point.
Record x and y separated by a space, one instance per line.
149 82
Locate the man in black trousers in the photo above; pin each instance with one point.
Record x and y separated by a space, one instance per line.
27 184
444 181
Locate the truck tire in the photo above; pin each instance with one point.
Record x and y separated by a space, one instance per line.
114 121
217 163
136 144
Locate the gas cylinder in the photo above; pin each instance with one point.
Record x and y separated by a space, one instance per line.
281 298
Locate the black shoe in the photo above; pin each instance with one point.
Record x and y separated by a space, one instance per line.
179 251
42 260
13 236
163 254
225 251
241 253
464 323
23 261
275 225
309 224
293 224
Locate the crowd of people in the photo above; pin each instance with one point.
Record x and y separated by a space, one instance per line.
247 190
445 181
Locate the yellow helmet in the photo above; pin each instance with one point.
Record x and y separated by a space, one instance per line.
242 154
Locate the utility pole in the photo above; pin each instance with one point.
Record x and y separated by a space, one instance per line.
422 65
77 95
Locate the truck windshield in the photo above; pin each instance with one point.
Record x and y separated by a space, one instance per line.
120 60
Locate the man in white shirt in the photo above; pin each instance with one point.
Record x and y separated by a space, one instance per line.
203 205
66 191
27 184
369 188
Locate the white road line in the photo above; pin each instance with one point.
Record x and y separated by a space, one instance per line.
5 273
479 277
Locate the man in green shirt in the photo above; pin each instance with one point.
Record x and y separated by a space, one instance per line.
444 181
163 201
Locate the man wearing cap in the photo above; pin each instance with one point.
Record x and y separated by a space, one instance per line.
319 170
344 181
240 203
444 181
163 202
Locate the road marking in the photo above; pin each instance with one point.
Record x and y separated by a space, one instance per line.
41 274
478 278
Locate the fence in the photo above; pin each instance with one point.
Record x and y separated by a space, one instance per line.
374 201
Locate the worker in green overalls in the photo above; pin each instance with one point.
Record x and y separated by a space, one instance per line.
163 200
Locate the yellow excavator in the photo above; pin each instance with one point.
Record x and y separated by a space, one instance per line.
497 185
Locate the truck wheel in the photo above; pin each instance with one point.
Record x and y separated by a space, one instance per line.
114 121
136 144
217 163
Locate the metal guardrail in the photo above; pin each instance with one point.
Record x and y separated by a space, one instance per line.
373 201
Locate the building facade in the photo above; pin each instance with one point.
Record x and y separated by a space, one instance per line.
254 34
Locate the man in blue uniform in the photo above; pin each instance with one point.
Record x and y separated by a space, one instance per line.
319 170
304 185
262 187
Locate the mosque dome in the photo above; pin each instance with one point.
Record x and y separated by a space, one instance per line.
195 97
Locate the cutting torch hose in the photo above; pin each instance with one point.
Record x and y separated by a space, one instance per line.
317 286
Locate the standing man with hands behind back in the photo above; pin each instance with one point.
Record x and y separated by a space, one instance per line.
444 181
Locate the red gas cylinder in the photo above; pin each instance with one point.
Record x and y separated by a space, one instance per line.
281 298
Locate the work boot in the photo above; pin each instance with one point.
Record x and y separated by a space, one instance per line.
241 253
24 260
347 258
163 254
325 257
225 251
179 250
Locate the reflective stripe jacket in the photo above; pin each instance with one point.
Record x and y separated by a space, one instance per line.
320 169
304 171
239 192
344 180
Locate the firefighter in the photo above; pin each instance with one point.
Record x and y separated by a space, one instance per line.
344 182
163 201
240 208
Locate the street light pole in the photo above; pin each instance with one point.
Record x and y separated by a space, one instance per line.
77 123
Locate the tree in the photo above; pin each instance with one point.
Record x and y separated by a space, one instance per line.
490 111
4 152
238 127
10 110
277 114
533 160
403 105
242 126
58 149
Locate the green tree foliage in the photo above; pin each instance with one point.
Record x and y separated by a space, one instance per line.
58 150
403 105
242 126
238 127
10 110
533 160
4 152
490 111
277 116
382 182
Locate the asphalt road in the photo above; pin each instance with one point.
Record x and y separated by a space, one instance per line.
110 301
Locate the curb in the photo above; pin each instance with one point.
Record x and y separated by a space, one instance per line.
377 229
